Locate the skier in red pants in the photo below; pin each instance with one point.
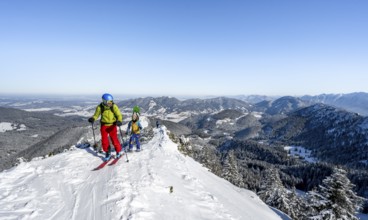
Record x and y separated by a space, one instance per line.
110 118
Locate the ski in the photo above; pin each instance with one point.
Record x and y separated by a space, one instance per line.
115 161
102 165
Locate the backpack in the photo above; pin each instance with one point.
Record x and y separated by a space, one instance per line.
111 109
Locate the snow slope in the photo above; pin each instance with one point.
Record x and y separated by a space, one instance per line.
298 151
65 187
7 126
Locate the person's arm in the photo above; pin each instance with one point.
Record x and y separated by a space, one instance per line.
128 128
97 113
117 113
139 125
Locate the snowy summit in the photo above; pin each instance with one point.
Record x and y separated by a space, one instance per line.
157 183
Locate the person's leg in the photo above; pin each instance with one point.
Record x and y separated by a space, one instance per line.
114 138
104 138
131 142
137 141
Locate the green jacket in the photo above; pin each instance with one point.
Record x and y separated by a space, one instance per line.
108 116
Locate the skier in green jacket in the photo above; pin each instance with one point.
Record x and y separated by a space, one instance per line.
110 118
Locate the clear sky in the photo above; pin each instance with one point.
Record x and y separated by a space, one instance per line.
188 47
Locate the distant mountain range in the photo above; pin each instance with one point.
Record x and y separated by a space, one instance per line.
282 105
164 106
288 120
43 133
170 105
355 102
253 99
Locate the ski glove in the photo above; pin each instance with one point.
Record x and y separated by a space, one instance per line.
91 120
118 123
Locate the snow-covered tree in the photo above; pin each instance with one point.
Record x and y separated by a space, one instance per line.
316 205
335 198
273 193
298 205
231 170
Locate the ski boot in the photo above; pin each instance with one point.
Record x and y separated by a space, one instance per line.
107 157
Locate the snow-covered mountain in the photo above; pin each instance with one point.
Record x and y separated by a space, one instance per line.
233 139
224 124
157 183
30 134
170 108
355 102
61 106
282 105
334 134
254 98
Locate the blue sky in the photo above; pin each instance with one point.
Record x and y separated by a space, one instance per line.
199 47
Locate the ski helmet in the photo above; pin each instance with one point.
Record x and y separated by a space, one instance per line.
107 97
136 109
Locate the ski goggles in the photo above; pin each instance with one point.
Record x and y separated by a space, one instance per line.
106 102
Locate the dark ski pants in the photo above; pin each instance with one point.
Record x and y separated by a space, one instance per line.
134 138
111 131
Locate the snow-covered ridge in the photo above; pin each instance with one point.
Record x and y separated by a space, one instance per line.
320 113
7 126
65 187
355 102
38 109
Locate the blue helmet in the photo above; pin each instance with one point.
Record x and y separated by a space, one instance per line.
107 97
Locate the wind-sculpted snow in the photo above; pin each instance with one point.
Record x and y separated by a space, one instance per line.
65 187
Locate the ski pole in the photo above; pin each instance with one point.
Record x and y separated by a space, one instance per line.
94 138
122 139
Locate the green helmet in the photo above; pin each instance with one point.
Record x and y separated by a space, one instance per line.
136 109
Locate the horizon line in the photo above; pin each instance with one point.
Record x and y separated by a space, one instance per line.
129 96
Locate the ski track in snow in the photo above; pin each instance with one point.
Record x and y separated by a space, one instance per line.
65 187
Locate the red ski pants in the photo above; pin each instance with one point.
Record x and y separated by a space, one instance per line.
112 131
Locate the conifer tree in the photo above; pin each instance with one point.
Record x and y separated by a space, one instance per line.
335 198
274 193
298 205
231 170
